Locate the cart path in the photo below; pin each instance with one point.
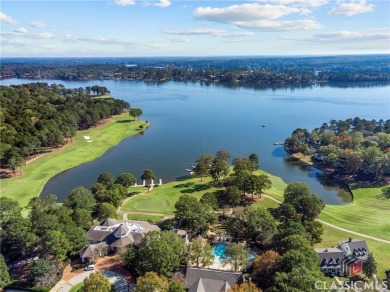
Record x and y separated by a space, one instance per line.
337 227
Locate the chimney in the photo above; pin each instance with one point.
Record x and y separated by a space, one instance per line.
350 239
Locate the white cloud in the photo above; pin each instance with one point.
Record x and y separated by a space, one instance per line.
21 30
261 17
245 12
7 19
210 32
179 40
162 3
44 35
125 2
19 33
108 41
26 44
69 38
297 3
286 25
351 7
348 36
38 24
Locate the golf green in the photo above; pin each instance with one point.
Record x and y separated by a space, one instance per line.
152 204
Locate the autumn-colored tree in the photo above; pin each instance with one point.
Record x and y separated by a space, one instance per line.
96 282
264 268
245 287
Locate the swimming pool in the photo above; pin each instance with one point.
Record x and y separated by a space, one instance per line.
220 248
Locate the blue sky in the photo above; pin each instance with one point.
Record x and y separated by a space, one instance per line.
130 28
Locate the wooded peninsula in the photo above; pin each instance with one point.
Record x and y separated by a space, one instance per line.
352 150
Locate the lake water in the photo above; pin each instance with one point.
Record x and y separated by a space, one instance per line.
189 119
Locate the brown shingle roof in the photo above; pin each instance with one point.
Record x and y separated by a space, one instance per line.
98 235
108 222
122 242
89 250
121 231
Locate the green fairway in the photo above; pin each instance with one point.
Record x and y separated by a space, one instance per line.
38 172
266 203
162 198
278 186
149 218
366 214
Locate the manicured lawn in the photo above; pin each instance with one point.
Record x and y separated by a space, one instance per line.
278 186
38 172
162 198
366 214
149 218
77 287
266 203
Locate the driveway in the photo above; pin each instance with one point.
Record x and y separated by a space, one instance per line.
64 286
118 280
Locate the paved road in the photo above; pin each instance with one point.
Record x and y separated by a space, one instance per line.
340 228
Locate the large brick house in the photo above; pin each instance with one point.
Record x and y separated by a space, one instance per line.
112 235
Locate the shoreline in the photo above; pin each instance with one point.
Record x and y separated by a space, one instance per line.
39 171
340 183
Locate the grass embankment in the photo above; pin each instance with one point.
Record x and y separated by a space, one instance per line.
143 217
77 287
38 172
162 199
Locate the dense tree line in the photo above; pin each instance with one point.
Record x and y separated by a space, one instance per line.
37 117
266 74
53 232
49 235
356 147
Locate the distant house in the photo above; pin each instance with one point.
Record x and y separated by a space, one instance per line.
112 235
329 260
206 280
347 258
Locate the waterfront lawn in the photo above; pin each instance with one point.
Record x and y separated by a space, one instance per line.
278 186
366 214
38 172
162 199
381 251
143 217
